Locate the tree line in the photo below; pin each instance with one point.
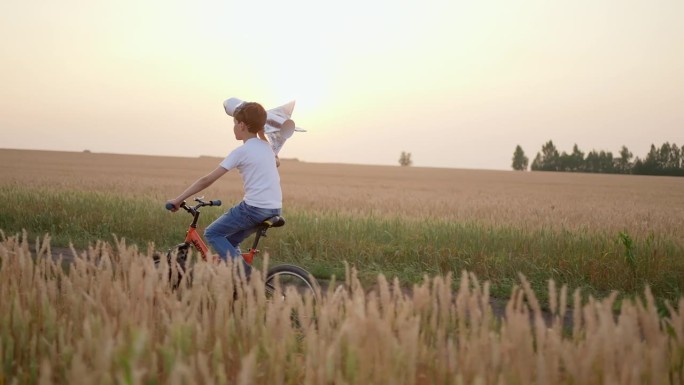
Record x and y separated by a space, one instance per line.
668 159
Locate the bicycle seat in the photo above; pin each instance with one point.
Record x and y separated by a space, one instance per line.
276 221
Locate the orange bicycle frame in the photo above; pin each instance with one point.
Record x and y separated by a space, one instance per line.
192 237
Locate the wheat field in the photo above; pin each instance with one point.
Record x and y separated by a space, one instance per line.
110 317
639 205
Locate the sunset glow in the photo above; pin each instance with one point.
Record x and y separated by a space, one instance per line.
458 84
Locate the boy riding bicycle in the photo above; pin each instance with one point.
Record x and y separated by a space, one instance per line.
257 165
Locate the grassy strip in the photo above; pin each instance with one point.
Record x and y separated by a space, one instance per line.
82 218
408 249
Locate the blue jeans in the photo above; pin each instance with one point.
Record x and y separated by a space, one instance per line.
231 228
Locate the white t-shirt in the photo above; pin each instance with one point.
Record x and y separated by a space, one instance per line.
257 165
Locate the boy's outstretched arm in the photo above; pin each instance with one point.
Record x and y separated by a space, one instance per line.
199 185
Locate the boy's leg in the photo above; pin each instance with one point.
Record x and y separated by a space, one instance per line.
254 216
226 233
233 221
237 238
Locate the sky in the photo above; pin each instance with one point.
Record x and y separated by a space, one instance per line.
457 84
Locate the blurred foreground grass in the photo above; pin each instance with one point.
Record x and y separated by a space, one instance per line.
112 319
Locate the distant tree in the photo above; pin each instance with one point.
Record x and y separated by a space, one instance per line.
623 164
599 162
652 162
671 156
606 164
591 163
571 162
548 159
649 165
664 155
520 161
667 159
564 161
638 167
577 158
675 156
537 163
405 159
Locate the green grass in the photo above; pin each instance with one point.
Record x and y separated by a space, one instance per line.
406 248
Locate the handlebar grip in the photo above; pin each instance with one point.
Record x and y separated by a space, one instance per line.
216 203
169 205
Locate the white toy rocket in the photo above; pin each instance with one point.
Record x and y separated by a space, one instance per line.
279 125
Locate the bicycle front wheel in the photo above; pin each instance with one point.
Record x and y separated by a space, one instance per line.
291 276
177 268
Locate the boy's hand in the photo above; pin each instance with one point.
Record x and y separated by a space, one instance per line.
172 206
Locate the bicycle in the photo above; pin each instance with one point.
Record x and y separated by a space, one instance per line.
284 275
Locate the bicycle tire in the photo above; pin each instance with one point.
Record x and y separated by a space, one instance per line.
181 260
291 276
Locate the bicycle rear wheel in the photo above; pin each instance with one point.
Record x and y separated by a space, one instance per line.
290 276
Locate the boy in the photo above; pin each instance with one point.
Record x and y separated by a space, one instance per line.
255 161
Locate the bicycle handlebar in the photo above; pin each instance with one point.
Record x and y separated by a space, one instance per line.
201 203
